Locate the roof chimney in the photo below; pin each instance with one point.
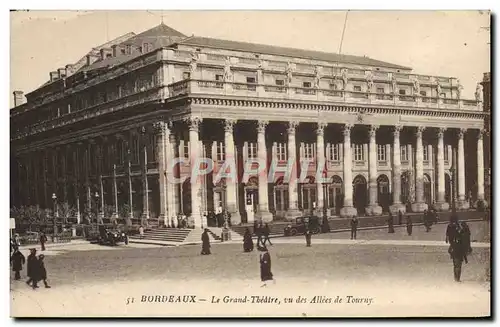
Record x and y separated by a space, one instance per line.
61 72
91 59
69 69
18 98
115 50
105 52
54 76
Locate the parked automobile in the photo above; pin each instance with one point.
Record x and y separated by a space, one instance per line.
298 227
109 236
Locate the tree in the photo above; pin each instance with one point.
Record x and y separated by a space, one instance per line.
66 212
124 213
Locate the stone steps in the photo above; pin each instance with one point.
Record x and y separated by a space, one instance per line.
165 234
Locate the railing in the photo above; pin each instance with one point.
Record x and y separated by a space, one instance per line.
380 74
305 91
423 78
182 54
179 88
243 86
211 84
384 96
407 98
359 95
356 72
276 89
248 61
469 103
332 93
450 101
401 76
276 64
215 57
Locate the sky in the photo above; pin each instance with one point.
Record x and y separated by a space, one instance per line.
444 43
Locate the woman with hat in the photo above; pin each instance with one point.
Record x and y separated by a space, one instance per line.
265 265
205 240
41 271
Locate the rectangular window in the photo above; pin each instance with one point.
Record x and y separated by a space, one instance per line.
252 151
333 86
426 153
186 75
251 80
280 82
402 92
136 150
446 154
381 155
281 151
219 78
129 49
423 93
443 95
380 90
334 154
404 153
306 84
357 88
221 151
308 151
186 149
358 152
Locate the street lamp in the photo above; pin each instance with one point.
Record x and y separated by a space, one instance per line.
96 207
54 200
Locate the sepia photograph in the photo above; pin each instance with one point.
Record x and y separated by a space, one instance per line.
326 163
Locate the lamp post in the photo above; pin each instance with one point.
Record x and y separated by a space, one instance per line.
54 200
96 207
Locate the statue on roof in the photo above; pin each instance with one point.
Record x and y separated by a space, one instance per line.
369 82
317 76
459 89
479 92
345 78
289 72
438 88
194 63
416 87
228 76
394 84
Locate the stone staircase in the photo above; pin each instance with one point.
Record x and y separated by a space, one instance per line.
178 235
216 233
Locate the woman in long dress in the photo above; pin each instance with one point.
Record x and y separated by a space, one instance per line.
247 241
205 247
265 265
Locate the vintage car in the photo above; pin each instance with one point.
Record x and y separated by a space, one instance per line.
108 236
301 223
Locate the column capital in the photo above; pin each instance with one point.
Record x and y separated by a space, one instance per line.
373 130
292 125
397 130
321 128
193 122
159 127
261 126
461 133
481 133
229 125
347 129
420 130
441 131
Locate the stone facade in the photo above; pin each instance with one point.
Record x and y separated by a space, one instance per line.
360 139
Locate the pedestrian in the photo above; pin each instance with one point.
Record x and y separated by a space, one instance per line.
205 240
17 260
32 262
400 217
259 233
325 226
308 237
354 227
41 272
255 227
265 232
16 242
427 221
265 266
457 250
390 223
247 241
43 239
141 232
466 239
409 225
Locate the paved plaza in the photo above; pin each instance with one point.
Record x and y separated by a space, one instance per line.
402 276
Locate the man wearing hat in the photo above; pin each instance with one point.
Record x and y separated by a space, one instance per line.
41 271
17 260
265 265
32 267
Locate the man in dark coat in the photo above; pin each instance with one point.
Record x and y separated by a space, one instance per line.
308 237
325 226
259 232
265 265
247 241
354 227
255 227
32 263
205 239
17 260
43 240
409 225
390 223
466 239
457 249
41 272
265 232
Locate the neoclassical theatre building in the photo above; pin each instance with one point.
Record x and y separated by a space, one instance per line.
100 134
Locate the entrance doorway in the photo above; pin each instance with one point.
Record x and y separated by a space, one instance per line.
280 198
447 188
309 195
360 194
220 196
383 192
186 197
251 198
427 190
335 195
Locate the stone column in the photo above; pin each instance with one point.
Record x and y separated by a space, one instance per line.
348 210
463 203
396 172
128 171
76 158
231 182
373 208
419 205
480 167
88 192
160 131
441 204
143 160
36 175
194 152
64 174
100 182
114 216
263 213
293 198
320 165
46 201
172 189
